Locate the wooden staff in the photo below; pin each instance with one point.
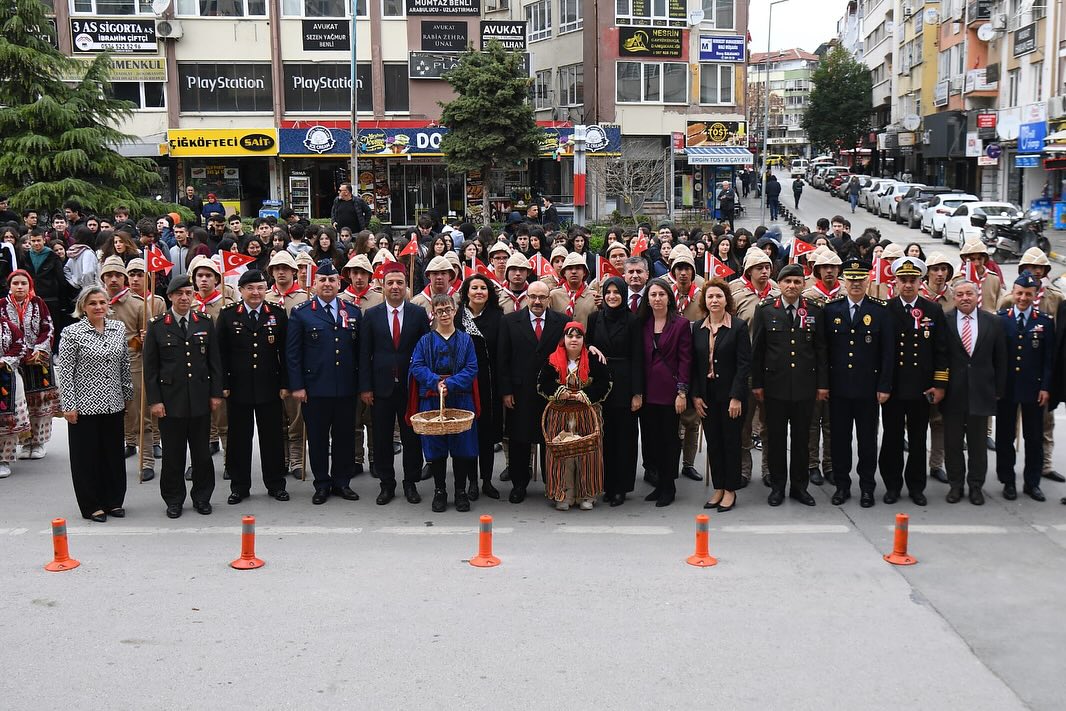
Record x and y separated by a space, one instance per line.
140 411
411 279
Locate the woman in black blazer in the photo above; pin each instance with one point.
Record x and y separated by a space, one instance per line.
721 362
614 333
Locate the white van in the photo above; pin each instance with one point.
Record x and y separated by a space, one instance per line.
799 168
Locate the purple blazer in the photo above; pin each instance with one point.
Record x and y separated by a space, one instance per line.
668 365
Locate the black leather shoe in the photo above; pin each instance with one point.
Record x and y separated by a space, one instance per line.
919 499
188 474
130 451
505 475
489 490
157 450
99 518
427 473
440 501
174 511
776 497
890 497
462 501
803 497
616 500
373 471
147 475
756 441
866 499
320 497
939 474
202 507
472 490
1034 493
358 468
977 497
652 477
297 473
815 475
828 474
216 447
410 492
954 495
666 497
691 473
744 481
396 448
117 512
1010 493
279 495
653 496
1054 476
991 444
225 474
517 495
766 481
346 493
385 496
234 499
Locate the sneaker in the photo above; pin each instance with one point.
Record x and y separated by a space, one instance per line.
562 506
24 452
586 505
5 470
38 452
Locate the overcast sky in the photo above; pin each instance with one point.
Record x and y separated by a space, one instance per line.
796 23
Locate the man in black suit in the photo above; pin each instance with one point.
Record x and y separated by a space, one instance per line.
389 334
527 338
788 373
977 364
183 386
251 340
919 379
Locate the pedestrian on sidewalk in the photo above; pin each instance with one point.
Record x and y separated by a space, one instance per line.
853 191
773 196
797 190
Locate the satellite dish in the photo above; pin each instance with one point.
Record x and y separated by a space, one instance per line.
696 16
931 16
911 122
160 6
1008 126
985 33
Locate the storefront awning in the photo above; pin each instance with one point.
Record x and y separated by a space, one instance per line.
719 155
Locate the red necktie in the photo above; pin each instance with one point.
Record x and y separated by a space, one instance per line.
396 329
538 330
634 301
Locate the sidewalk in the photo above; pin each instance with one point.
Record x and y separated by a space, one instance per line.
1057 238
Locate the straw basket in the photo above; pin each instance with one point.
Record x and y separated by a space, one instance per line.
584 444
445 421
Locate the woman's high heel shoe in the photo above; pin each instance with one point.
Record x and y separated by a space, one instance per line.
723 509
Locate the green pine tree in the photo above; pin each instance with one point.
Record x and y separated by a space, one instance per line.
490 121
58 139
838 115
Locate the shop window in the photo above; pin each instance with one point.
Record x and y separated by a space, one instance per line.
392 8
397 89
539 20
493 5
322 8
111 7
716 84
569 15
719 13
542 83
144 95
221 8
652 83
572 85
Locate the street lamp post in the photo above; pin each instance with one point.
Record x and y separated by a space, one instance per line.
355 106
766 109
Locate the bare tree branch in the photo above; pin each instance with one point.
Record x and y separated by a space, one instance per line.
632 177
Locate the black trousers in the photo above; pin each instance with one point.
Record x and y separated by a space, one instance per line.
898 416
619 450
1032 433
974 467
520 456
722 433
386 413
463 470
177 434
486 453
660 423
267 416
97 465
859 414
787 418
330 421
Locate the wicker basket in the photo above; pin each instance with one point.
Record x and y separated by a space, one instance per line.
445 421
584 444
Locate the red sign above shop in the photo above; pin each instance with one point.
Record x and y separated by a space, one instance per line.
986 120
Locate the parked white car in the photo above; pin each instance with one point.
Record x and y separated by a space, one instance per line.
888 201
867 194
958 229
939 208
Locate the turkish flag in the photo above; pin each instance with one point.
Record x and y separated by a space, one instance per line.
411 248
312 270
605 269
232 261
379 270
639 246
542 266
715 268
882 271
799 248
156 262
485 271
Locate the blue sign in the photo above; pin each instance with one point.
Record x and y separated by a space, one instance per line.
1031 137
1026 161
722 48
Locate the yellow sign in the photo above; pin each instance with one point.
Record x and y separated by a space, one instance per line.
123 68
221 142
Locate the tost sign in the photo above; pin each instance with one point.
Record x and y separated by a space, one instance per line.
222 142
716 133
126 36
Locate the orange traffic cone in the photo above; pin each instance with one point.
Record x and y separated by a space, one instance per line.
62 560
702 557
484 557
899 556
247 561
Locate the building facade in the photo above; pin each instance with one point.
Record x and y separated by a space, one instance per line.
789 73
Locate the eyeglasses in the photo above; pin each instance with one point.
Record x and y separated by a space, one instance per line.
444 311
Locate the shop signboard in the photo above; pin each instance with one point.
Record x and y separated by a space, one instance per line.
973 144
222 142
123 68
1025 40
224 87
676 11
940 93
431 65
1026 161
722 48
905 138
443 7
444 36
1033 130
599 140
327 35
987 161
986 125
511 34
317 86
48 34
650 42
716 133
121 36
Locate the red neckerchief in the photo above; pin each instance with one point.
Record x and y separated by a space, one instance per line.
827 293
516 298
115 299
1039 294
203 302
455 287
294 287
751 287
574 296
683 300
357 296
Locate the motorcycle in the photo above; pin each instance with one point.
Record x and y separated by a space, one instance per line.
1010 241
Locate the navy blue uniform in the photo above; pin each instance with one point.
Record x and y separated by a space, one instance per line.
861 349
1030 355
322 348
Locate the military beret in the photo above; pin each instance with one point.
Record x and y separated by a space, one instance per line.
181 282
790 270
252 276
1026 280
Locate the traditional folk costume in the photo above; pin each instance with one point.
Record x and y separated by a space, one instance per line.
14 415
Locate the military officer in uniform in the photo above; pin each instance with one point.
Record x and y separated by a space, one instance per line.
322 352
183 386
1030 338
788 373
920 379
287 294
859 335
359 293
251 339
825 271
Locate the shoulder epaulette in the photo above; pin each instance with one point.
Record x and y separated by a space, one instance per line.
768 301
302 305
835 299
160 317
230 307
882 302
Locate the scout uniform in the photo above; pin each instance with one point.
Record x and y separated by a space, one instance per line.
558 256
424 298
212 306
886 289
576 304
511 301
362 300
293 426
989 284
500 246
821 294
944 297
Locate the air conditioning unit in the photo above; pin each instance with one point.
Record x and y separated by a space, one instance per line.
1056 107
956 84
908 10
168 29
999 21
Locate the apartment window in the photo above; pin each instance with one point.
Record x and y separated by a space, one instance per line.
652 83
322 8
1013 77
144 95
572 85
112 7
716 83
1039 9
569 15
643 12
493 5
542 82
943 65
539 20
397 88
392 8
719 13
1036 71
222 8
